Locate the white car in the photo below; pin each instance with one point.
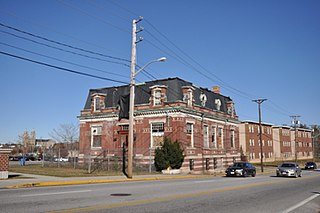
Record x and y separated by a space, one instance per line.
289 170
61 159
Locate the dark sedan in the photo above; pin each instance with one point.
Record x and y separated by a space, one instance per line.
310 165
241 169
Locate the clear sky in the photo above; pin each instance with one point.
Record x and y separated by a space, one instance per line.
252 49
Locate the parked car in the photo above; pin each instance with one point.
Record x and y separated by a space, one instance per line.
61 159
310 165
289 170
241 169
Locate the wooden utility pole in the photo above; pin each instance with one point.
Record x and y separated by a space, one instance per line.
259 102
132 95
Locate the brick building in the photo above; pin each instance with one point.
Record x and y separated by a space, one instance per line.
279 143
202 120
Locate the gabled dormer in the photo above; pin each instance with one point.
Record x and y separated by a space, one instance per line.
97 102
230 108
158 95
188 95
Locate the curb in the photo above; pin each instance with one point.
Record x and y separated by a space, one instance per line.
79 182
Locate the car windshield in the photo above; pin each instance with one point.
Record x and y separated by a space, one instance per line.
238 165
287 165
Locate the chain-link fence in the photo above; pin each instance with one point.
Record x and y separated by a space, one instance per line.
113 160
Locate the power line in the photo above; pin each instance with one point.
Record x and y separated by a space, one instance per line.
60 49
79 65
94 17
63 44
11 13
63 69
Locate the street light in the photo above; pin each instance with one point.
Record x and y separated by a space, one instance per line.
131 109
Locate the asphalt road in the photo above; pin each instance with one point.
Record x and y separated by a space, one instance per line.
263 193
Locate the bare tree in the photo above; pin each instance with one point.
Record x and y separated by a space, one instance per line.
67 134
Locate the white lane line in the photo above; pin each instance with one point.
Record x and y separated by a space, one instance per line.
301 203
54 193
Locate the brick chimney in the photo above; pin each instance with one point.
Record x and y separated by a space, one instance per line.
216 89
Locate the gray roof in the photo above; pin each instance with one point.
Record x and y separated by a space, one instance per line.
174 93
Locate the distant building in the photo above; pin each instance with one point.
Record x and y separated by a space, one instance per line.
203 121
279 143
44 143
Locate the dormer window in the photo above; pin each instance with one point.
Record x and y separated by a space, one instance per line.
98 100
157 98
218 104
97 106
187 95
203 99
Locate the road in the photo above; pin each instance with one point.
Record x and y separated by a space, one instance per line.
263 193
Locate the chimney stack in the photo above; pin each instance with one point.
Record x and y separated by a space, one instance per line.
216 89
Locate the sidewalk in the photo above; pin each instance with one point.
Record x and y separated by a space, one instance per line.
28 180
21 180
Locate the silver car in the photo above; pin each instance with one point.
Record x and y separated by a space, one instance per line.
289 170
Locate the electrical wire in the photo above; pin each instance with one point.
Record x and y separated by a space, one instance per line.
60 49
92 16
63 69
50 57
63 44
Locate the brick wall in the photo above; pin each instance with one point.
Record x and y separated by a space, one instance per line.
4 163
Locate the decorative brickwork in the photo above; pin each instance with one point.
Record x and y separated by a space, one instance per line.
4 163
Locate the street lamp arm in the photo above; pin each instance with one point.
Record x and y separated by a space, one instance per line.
162 59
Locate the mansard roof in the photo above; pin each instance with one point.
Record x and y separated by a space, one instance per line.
174 93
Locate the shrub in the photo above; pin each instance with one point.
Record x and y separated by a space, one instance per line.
169 154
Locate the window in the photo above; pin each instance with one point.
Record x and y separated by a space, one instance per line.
190 134
97 105
157 98
205 136
214 139
189 128
96 135
158 127
157 133
232 139
220 137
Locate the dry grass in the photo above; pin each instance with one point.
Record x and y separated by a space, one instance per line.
63 171
58 172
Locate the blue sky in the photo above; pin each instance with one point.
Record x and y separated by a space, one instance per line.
252 49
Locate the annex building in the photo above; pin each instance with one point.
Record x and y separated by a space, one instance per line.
279 143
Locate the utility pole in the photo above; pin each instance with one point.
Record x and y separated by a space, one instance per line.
259 102
132 86
295 122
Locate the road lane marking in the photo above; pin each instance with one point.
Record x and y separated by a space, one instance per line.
301 203
54 193
173 197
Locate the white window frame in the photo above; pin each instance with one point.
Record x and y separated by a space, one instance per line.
96 103
95 131
157 97
190 131
205 136
159 133
214 137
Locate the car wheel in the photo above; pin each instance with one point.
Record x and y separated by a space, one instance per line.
244 173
